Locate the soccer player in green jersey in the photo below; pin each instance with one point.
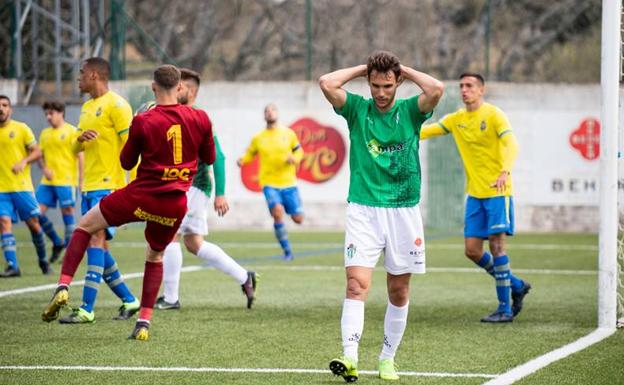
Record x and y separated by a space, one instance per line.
488 149
194 225
384 191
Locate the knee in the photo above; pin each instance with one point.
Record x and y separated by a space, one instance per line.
297 218
277 212
473 254
398 294
192 245
356 289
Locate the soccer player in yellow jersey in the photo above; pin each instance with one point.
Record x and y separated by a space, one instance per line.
62 172
280 152
488 149
19 149
103 130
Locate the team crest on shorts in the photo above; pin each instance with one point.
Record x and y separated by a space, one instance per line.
418 242
351 250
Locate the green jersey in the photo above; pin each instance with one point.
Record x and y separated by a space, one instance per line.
202 179
383 156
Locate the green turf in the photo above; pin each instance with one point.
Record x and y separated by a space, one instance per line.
296 321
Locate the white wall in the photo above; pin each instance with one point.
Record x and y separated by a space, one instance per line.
556 188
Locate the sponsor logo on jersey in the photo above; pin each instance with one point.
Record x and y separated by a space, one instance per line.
376 149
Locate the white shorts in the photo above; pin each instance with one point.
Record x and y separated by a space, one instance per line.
196 219
398 232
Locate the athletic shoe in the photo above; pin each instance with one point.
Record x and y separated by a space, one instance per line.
288 256
56 252
517 298
498 317
78 316
387 370
59 299
249 287
140 332
127 310
45 267
164 305
10 272
345 367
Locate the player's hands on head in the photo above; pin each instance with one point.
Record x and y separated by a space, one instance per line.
239 162
221 205
87 136
290 159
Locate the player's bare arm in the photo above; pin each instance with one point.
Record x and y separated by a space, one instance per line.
331 84
432 88
34 153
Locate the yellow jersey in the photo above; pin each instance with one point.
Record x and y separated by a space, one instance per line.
56 145
110 115
486 144
15 138
274 146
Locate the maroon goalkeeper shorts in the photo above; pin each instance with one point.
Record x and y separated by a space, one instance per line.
162 212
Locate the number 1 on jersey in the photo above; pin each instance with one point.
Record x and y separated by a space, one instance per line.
175 132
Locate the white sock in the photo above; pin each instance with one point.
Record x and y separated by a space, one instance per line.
217 258
394 326
172 264
352 325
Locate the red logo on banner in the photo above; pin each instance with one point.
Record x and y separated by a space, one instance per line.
324 152
249 175
586 138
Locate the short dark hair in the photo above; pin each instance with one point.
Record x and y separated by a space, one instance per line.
54 105
189 74
476 75
5 98
167 76
100 66
383 61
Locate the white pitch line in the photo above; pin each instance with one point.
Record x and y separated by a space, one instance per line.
542 361
334 245
192 268
229 370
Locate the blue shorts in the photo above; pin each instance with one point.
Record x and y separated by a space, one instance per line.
22 203
287 197
488 216
92 198
49 195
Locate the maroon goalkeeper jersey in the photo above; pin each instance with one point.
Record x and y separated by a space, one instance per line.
169 139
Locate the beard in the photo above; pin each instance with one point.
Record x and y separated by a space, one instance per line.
183 99
3 118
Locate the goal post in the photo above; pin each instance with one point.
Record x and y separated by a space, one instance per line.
608 235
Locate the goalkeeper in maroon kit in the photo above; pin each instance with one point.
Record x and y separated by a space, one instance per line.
169 139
